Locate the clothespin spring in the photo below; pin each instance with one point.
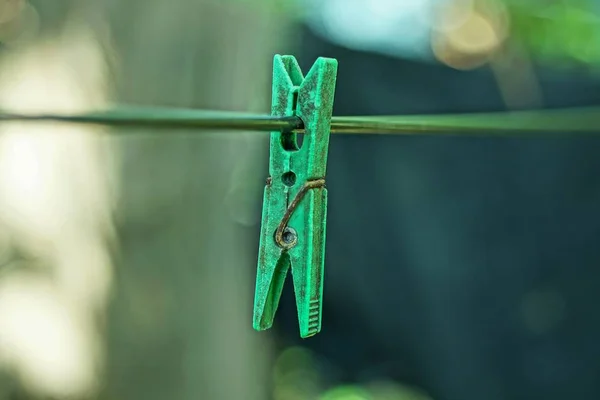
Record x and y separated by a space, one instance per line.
286 237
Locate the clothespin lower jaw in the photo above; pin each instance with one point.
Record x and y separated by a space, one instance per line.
295 198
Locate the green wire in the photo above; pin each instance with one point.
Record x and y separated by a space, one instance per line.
572 120
171 118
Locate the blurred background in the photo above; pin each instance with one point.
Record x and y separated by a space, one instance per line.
464 269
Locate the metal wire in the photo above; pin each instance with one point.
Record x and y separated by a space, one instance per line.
151 117
573 120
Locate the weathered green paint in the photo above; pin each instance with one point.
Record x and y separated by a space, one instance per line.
311 99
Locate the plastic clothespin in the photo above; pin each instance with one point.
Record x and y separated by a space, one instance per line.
295 197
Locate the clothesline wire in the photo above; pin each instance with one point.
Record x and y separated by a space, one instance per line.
556 121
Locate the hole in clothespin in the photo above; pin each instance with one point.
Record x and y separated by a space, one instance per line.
289 178
295 100
292 141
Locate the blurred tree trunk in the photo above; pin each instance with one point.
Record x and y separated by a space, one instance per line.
180 323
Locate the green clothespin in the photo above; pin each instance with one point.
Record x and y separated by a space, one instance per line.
295 198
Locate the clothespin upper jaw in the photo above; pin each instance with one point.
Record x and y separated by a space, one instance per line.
295 198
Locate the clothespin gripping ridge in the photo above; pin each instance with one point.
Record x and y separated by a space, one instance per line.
295 197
